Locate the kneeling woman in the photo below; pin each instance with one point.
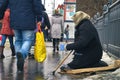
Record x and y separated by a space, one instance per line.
87 47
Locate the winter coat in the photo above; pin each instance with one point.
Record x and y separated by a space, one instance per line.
46 21
3 6
56 26
87 46
23 13
6 30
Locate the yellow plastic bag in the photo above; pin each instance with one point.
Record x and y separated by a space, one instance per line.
40 47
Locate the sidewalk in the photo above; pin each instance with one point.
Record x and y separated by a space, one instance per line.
43 71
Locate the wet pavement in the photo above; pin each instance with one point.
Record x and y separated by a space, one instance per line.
44 71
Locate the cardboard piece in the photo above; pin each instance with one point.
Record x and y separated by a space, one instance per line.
95 69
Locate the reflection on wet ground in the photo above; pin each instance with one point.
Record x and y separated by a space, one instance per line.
32 69
37 71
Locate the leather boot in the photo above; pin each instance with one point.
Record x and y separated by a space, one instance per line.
13 51
53 48
1 52
53 45
20 62
57 45
57 48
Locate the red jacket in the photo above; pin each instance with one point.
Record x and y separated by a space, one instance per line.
6 24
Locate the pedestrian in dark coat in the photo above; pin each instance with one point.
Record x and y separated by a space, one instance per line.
45 23
87 47
45 26
23 19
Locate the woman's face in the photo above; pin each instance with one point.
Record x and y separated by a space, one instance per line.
56 11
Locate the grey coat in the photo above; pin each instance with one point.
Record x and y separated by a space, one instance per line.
56 26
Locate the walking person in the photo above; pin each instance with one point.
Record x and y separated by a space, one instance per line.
24 15
6 32
45 27
66 31
45 23
56 29
87 47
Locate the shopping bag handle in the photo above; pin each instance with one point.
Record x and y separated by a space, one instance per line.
38 26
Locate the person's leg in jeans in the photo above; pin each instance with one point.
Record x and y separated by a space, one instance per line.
10 37
3 40
31 55
23 43
18 45
18 40
2 46
44 32
67 36
28 38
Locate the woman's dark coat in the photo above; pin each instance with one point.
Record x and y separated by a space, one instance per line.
46 21
87 46
3 6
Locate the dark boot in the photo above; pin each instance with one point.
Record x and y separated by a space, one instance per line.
53 49
57 48
57 44
53 45
1 52
13 51
20 62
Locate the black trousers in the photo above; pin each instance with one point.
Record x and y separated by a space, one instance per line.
56 43
82 61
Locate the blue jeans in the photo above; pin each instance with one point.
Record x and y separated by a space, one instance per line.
23 41
45 32
4 37
67 36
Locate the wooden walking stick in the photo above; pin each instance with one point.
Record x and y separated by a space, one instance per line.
61 62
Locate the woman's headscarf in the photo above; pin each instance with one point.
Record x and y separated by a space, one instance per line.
79 16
